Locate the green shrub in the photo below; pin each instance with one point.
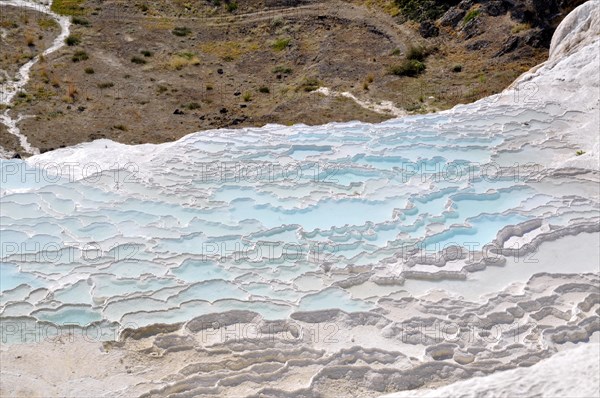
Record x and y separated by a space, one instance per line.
410 67
281 44
72 40
232 6
181 31
247 96
264 90
471 15
105 85
310 84
80 21
138 60
89 71
192 105
417 53
282 69
422 10
68 7
79 55
579 152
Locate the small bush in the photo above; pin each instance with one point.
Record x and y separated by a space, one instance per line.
105 85
579 152
89 71
409 67
232 6
422 10
192 105
80 21
138 60
264 90
282 69
181 31
120 127
80 56
181 60
47 23
247 96
68 7
209 87
146 53
310 84
281 44
277 22
30 39
72 40
471 15
417 53
396 52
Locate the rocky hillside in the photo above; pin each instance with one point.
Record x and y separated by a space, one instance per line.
141 71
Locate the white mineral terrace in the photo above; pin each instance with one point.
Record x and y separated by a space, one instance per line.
349 259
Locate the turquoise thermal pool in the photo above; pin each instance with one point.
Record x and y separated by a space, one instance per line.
279 220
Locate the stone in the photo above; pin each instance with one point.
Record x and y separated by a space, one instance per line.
428 29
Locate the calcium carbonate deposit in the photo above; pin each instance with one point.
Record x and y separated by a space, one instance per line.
347 259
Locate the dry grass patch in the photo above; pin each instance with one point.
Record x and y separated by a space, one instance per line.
181 60
229 50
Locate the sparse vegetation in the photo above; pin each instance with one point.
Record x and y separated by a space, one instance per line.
47 23
121 127
471 15
277 22
410 67
191 106
520 27
309 84
137 60
284 70
229 50
247 97
264 90
105 85
80 21
422 10
72 40
232 6
71 91
29 39
89 71
281 44
579 152
417 53
68 7
181 31
181 60
79 55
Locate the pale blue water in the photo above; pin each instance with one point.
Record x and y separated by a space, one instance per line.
191 234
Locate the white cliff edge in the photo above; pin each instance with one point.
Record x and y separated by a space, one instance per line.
571 76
